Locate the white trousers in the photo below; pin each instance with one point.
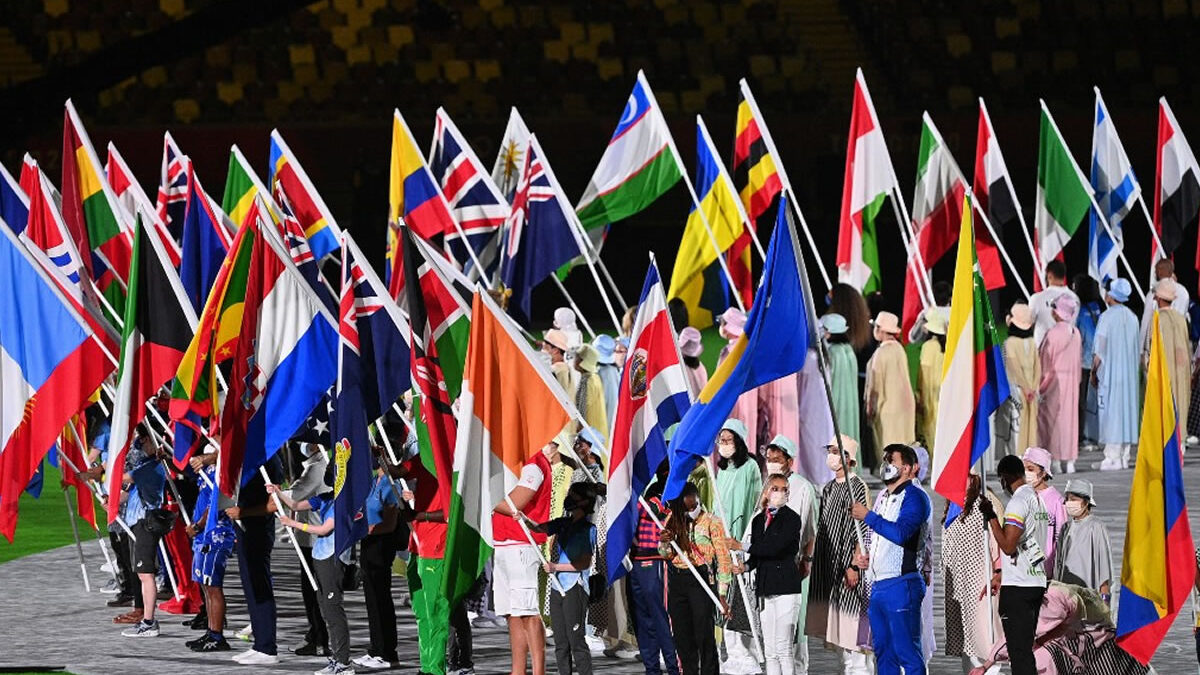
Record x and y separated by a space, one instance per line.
855 662
779 614
739 652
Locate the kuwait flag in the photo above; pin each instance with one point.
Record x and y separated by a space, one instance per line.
1063 193
1177 181
936 212
639 164
994 195
868 181
159 322
973 378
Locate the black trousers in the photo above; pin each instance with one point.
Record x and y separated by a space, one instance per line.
375 559
692 620
316 633
125 576
458 646
1019 608
568 617
254 566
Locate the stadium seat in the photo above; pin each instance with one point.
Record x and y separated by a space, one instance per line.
487 70
229 92
400 35
187 110
55 8
556 50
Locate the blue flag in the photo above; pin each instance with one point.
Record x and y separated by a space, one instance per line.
1117 189
14 205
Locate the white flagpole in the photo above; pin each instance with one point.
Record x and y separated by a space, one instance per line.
724 178
1038 267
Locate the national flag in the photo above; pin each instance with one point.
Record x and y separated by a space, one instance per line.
693 279
994 195
50 365
444 291
283 364
383 338
299 249
159 322
1116 191
475 201
205 241
1176 181
97 222
315 218
540 235
974 382
131 195
1063 193
1158 566
774 344
71 444
413 193
638 166
757 181
510 159
869 179
653 397
936 213
172 187
14 202
241 186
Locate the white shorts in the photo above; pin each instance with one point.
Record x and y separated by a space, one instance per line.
515 581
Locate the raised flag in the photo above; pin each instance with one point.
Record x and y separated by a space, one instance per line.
1116 189
1158 566
205 242
49 366
756 180
444 291
14 202
540 235
774 344
159 322
1063 193
310 210
694 279
869 179
936 212
994 195
637 167
172 187
1176 181
510 159
653 397
974 382
241 186
299 249
413 193
382 334
131 195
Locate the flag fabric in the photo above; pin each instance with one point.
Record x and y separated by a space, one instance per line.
653 396
974 381
475 201
413 193
869 179
159 322
69 445
50 366
1063 193
241 186
205 242
1158 566
637 167
1176 182
510 159
994 195
299 249
309 208
171 201
444 291
283 364
14 202
540 235
382 331
936 213
1116 191
96 220
133 198
774 344
694 280
757 181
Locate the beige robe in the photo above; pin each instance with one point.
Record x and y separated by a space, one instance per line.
1024 368
929 387
891 406
567 377
589 398
1178 354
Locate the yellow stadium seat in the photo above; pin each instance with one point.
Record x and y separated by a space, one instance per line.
187 110
359 54
958 45
609 68
584 51
425 71
345 6
1003 62
489 5
599 33
55 8
229 92
301 54
329 18
487 70
663 4
456 70
154 77
344 37
358 18
504 17
400 36
318 6
555 50
88 40
372 6
172 8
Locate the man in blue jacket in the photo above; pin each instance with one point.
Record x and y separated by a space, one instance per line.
893 564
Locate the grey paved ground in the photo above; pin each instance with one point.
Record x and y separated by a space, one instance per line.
47 619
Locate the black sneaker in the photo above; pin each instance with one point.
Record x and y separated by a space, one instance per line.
310 649
122 600
198 622
212 643
193 644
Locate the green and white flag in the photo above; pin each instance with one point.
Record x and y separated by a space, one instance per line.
1063 192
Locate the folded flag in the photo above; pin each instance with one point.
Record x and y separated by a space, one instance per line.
299 249
14 203
133 198
205 242
316 220
172 187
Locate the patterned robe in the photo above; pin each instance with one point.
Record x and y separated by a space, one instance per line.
966 572
834 609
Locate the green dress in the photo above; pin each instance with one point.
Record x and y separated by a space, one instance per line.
843 381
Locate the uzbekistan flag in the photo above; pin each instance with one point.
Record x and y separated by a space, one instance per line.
1158 569
973 378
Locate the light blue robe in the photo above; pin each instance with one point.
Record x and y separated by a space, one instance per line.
610 379
1119 393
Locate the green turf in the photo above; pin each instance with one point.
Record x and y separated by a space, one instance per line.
42 523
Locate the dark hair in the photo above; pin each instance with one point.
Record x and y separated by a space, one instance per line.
942 293
1056 269
584 494
678 311
839 339
844 299
941 340
741 452
908 456
692 362
677 523
1014 331
1086 288
1010 466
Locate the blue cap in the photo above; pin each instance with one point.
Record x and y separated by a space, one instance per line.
834 323
1119 290
735 426
591 437
605 345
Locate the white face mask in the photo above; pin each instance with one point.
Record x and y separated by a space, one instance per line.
774 468
834 462
726 450
695 513
777 499
890 473
1074 508
1032 479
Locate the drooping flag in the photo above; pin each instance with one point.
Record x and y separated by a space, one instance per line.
1176 181
974 382
510 159
241 186
994 195
540 235
49 366
310 210
936 212
869 179
637 167
475 201
1063 193
72 446
695 280
172 187
757 181
131 195
653 397
299 249
159 322
1116 191
1158 566
205 241
774 344
14 202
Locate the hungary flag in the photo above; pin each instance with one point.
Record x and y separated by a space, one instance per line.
1063 193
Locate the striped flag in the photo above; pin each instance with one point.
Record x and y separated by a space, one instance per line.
131 195
1116 191
241 186
1176 182
756 179
315 218
1063 193
172 187
995 196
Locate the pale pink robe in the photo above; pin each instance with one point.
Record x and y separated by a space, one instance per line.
746 408
779 409
1058 413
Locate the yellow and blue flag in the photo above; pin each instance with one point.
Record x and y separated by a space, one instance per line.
1158 567
774 344
312 213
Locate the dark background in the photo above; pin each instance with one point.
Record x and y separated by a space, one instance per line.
328 75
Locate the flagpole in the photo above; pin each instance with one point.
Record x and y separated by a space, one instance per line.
999 245
291 535
724 178
987 547
87 584
83 449
915 261
1038 268
704 583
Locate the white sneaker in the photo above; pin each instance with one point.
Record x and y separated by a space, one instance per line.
142 629
335 668
1070 467
1192 440
252 657
595 644
107 568
628 652
246 633
371 662
111 588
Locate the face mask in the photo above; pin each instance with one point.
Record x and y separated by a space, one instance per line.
726 449
834 462
777 499
695 513
891 473
1032 479
1074 508
774 468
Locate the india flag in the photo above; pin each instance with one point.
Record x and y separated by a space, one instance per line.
1063 192
868 181
973 378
